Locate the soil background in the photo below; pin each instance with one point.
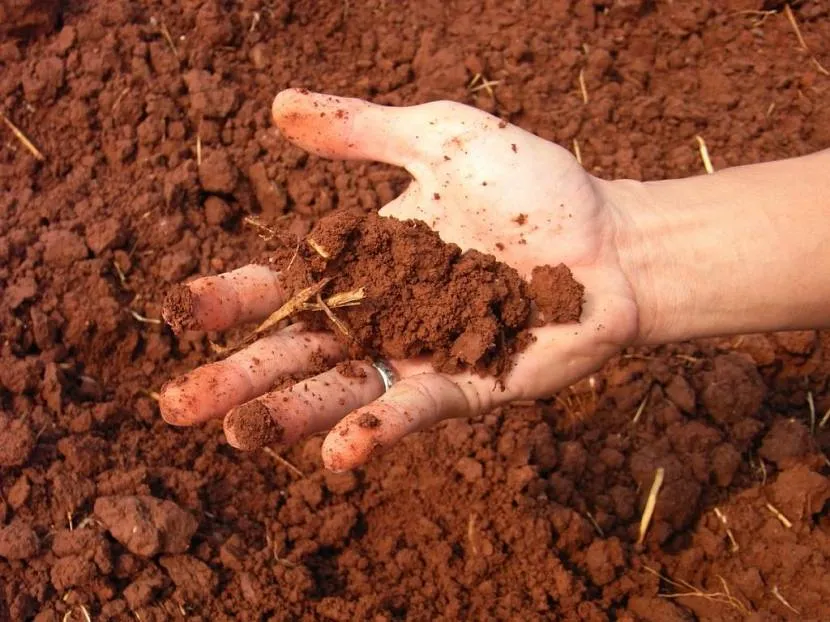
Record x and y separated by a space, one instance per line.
529 513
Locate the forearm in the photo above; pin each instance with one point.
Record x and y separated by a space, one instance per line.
744 250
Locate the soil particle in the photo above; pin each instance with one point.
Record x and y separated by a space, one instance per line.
146 586
232 553
177 265
87 543
217 173
181 187
271 197
27 18
45 81
105 235
557 294
84 454
21 290
18 494
253 426
800 492
146 525
733 390
650 609
63 248
786 442
16 441
19 376
192 577
725 462
18 541
309 490
70 572
758 347
469 468
209 97
799 342
217 211
603 558
341 483
349 369
681 393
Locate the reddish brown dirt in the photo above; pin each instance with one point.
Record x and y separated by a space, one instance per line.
418 295
530 512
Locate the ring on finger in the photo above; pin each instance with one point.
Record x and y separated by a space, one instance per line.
386 373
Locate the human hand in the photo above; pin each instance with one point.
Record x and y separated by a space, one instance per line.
480 183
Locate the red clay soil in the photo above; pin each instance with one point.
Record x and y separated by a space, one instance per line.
530 512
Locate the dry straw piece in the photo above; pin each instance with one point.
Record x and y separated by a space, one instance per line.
704 154
725 597
144 320
577 152
471 533
291 307
777 593
812 405
722 518
640 410
479 83
801 42
651 503
336 301
341 326
583 89
318 249
23 138
284 462
780 516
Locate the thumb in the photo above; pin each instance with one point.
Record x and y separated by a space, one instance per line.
350 129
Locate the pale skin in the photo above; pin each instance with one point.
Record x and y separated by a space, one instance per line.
743 250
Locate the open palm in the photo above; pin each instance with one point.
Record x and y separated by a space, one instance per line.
482 184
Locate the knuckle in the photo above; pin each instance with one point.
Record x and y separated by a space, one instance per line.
425 392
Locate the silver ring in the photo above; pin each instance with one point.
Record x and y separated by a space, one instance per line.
386 373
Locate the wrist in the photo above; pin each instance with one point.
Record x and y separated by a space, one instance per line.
645 259
740 251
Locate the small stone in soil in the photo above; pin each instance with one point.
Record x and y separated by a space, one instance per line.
16 442
146 525
18 541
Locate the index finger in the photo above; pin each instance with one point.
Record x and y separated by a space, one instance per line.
248 294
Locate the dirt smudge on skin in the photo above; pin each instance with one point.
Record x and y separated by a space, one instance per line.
253 426
369 421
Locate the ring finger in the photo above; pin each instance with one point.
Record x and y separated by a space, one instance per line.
310 406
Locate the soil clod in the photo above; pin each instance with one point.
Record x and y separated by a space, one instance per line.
423 296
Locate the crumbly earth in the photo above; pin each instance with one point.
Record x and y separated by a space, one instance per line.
420 295
530 512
